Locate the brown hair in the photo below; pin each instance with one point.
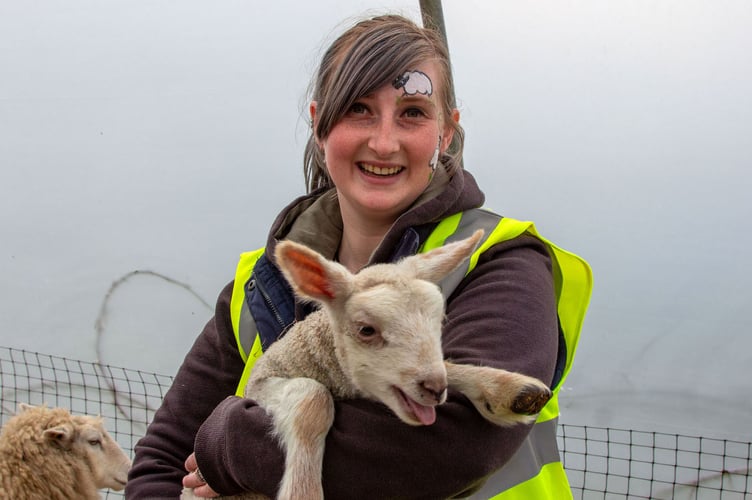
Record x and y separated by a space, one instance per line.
367 56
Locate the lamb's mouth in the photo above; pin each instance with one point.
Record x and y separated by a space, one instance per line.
380 171
425 415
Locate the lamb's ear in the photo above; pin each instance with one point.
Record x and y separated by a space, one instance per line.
61 435
22 407
436 264
310 274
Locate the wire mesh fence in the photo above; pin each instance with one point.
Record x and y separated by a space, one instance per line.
601 463
604 463
126 399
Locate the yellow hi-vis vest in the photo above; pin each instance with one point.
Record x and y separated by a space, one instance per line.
535 471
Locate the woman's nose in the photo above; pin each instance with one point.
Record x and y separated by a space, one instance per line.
384 140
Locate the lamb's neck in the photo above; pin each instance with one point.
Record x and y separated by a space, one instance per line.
308 350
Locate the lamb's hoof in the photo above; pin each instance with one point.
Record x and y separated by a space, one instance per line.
531 400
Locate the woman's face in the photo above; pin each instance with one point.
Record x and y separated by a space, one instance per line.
380 153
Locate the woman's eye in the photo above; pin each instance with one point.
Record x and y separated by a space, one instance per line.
358 108
414 113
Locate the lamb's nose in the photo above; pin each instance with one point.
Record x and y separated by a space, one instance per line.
436 387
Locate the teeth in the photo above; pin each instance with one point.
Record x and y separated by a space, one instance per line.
379 170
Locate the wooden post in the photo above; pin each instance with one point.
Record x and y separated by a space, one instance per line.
433 17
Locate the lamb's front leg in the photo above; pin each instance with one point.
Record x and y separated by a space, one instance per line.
502 397
302 410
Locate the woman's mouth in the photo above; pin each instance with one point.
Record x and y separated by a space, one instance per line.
380 171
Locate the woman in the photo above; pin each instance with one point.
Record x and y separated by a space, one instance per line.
384 176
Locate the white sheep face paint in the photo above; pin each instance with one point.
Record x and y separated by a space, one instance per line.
414 82
435 159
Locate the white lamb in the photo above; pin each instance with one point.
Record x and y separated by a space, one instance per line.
377 336
49 453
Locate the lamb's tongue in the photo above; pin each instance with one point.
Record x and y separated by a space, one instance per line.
426 414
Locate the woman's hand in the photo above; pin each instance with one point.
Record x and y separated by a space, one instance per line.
195 480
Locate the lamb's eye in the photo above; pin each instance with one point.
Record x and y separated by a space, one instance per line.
367 331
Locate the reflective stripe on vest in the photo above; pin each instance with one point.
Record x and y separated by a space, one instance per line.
242 321
535 470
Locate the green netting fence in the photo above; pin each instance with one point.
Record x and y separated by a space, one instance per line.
602 463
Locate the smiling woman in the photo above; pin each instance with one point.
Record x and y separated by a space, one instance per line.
381 156
383 167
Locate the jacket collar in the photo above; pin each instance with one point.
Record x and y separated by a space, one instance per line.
315 220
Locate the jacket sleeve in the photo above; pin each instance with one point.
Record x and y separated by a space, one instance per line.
209 373
503 314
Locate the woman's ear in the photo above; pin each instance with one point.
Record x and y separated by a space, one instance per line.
314 120
312 110
446 138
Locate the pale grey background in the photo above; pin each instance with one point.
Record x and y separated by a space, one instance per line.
166 135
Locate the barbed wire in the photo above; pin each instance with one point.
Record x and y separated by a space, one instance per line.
100 326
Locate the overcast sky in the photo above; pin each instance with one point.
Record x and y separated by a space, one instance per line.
166 135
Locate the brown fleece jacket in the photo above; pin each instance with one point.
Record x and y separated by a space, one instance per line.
503 315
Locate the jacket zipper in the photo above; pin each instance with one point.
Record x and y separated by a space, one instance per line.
268 302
